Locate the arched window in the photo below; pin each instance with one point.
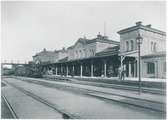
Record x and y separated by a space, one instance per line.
93 52
155 47
76 55
127 46
90 52
80 53
132 45
84 53
152 46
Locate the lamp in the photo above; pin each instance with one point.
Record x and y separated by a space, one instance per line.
139 40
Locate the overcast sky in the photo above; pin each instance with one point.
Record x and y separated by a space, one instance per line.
30 26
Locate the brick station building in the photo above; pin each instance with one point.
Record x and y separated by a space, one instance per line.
102 57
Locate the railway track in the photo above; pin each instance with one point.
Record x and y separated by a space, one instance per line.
65 114
14 115
137 102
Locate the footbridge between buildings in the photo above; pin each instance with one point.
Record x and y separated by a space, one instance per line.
8 66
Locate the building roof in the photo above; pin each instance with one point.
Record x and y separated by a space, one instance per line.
64 59
80 40
99 38
109 51
44 52
103 40
140 26
70 47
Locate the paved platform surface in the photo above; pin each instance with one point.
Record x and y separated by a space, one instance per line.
146 96
116 96
126 78
87 107
133 82
119 86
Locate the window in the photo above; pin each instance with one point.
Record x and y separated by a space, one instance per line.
76 54
152 46
90 52
94 52
80 53
164 66
132 45
84 53
155 47
127 46
150 68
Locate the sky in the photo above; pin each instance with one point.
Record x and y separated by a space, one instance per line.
27 27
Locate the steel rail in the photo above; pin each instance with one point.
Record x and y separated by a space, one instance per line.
66 87
65 114
14 115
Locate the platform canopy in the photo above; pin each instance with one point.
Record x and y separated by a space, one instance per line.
129 53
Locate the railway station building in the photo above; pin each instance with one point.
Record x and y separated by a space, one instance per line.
102 57
153 47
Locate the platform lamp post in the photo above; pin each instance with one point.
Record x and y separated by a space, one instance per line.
139 40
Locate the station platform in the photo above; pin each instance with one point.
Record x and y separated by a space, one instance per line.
114 78
80 104
147 96
146 82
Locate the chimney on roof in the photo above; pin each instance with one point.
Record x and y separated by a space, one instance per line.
149 26
99 35
138 23
84 37
105 37
44 49
63 48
